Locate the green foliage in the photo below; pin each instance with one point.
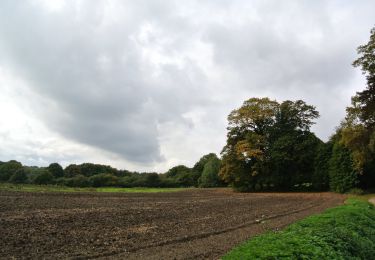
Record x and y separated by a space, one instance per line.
58 188
342 174
320 178
7 169
181 175
91 169
358 129
43 177
210 173
104 179
197 170
292 160
76 181
56 170
366 98
345 232
19 176
356 191
72 170
152 180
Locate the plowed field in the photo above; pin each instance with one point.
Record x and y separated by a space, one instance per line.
191 224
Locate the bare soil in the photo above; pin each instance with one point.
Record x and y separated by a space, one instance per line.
192 224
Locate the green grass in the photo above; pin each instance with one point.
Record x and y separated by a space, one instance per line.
54 188
364 197
344 232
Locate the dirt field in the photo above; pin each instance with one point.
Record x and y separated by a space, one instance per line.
191 224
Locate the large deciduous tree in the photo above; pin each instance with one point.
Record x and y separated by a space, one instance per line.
357 131
269 145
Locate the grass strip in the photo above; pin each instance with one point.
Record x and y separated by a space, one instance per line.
55 188
344 232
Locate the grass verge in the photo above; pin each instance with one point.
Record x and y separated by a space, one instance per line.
54 188
344 232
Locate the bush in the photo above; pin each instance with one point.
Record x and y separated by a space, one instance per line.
210 173
104 179
56 170
181 175
127 181
19 176
356 191
8 169
77 181
44 177
345 232
152 180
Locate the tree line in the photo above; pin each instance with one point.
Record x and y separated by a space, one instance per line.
269 148
203 174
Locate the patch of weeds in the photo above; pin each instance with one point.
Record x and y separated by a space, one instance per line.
344 232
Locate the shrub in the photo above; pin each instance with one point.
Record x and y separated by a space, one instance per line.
127 181
345 232
152 180
19 176
9 168
356 191
56 170
210 173
104 179
44 177
77 181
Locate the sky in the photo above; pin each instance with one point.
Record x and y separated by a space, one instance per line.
147 85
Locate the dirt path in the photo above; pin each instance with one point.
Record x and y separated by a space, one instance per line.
193 224
372 200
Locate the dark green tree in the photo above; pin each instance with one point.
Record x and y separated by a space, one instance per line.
197 170
104 179
152 180
366 98
182 175
77 181
56 170
342 174
44 177
292 160
210 174
7 169
320 179
19 176
72 170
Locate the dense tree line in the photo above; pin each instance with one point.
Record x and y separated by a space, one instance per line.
203 174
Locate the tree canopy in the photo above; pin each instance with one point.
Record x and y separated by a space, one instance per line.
266 142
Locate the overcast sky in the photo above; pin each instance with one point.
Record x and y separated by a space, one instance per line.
147 85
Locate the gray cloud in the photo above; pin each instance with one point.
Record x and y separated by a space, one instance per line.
113 75
95 85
